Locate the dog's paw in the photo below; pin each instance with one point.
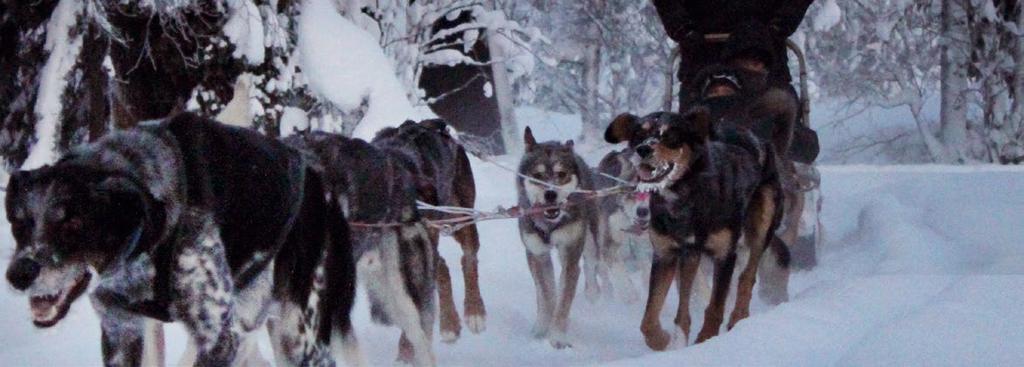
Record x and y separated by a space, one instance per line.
592 292
540 331
629 295
705 334
657 339
680 338
476 323
559 340
736 316
449 337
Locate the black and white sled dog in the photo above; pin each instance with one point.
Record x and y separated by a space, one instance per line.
555 172
190 221
393 252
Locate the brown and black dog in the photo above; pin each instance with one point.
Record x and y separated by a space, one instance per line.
711 187
444 177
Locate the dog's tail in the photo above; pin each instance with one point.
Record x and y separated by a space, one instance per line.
336 273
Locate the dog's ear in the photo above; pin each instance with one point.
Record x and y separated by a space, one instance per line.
528 138
700 119
122 195
436 124
569 144
621 129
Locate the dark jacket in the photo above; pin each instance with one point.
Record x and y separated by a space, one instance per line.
721 16
766 23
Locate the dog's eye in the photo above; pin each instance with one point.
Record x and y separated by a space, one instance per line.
561 175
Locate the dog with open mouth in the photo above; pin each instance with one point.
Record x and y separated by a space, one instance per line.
549 175
186 220
624 220
706 194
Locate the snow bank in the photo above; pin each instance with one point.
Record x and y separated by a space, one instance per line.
53 81
345 65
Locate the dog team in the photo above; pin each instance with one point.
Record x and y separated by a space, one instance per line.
225 230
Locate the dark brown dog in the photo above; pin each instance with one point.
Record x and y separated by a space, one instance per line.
708 193
444 177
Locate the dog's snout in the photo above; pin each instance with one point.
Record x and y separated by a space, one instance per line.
550 196
644 151
22 273
643 212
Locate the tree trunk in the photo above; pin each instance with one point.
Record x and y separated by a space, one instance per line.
502 90
1017 115
953 113
592 125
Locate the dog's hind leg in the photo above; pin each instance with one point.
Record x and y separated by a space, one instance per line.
381 271
592 267
416 245
450 325
688 266
757 234
469 239
722 246
475 311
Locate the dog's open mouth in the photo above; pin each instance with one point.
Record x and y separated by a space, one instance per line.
552 213
650 174
48 309
638 227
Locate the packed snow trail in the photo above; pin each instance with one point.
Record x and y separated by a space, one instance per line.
922 265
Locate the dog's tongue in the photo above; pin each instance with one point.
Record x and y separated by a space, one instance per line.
645 171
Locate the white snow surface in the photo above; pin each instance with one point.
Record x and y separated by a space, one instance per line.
922 265
53 80
344 64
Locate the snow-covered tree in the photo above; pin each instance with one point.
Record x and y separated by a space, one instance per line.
903 54
605 57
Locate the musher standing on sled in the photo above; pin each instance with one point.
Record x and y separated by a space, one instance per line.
765 23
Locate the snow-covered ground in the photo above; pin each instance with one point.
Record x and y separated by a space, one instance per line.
922 265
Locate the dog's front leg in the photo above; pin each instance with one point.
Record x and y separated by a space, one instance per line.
570 260
688 266
544 280
203 291
129 339
663 269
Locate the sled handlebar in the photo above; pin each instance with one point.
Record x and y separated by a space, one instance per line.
805 100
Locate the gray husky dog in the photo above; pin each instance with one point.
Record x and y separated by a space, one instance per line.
624 243
555 173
